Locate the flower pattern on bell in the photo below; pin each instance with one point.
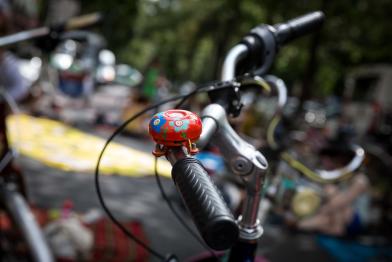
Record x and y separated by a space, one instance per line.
179 125
157 122
193 117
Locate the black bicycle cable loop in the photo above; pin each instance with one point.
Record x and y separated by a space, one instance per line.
255 80
112 136
169 202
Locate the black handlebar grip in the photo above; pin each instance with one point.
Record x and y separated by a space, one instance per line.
207 207
299 26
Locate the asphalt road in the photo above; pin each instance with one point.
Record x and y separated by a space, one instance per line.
140 199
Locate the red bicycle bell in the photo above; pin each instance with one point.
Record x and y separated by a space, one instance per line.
174 128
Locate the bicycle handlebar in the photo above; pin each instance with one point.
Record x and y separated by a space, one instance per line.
72 24
323 176
257 50
255 53
298 27
209 211
328 176
207 207
341 173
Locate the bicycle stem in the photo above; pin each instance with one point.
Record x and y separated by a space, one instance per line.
243 159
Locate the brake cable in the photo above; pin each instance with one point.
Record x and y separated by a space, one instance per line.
96 177
254 81
213 87
118 131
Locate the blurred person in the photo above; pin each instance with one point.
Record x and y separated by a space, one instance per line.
341 224
155 85
345 213
138 127
338 216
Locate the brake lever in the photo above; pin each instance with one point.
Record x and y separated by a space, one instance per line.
227 94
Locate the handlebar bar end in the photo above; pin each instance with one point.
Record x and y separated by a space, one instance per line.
299 26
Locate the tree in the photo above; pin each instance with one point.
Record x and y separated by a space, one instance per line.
119 20
190 37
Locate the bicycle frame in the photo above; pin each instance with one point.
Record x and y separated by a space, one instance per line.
12 198
12 191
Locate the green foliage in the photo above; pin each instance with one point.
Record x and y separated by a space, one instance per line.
119 16
190 37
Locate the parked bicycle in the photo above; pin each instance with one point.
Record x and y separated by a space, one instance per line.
179 134
13 197
297 190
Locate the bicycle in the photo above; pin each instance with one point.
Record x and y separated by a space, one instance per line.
296 188
305 197
182 135
13 198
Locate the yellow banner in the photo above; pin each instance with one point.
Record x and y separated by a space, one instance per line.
70 149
